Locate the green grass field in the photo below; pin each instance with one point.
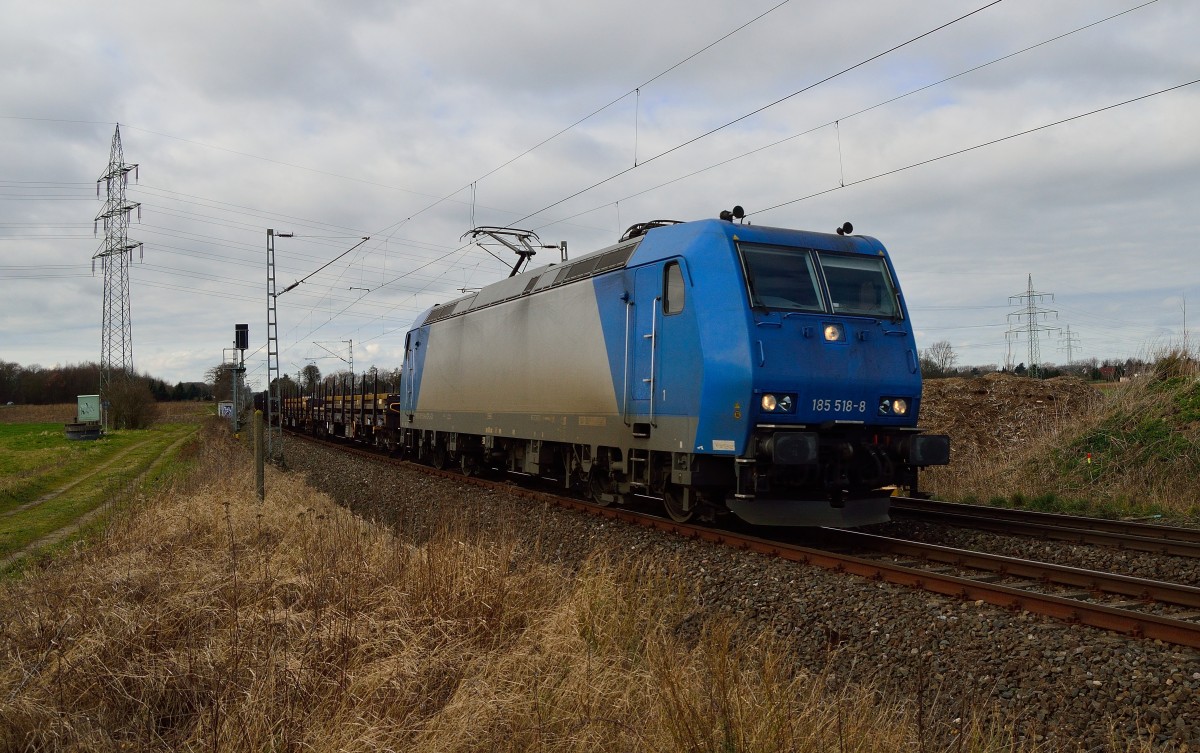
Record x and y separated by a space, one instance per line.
50 487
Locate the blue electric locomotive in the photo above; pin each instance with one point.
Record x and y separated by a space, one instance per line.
714 365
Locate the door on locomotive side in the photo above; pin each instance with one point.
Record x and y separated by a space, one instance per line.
408 397
656 387
644 317
680 371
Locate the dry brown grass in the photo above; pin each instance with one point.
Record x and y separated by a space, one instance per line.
174 412
59 413
209 621
184 411
1143 437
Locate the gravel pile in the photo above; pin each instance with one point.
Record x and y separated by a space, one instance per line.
1067 687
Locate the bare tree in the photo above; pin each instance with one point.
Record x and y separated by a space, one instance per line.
938 359
221 378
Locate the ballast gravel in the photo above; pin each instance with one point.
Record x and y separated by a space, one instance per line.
1057 685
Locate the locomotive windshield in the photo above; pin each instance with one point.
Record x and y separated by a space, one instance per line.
782 277
859 285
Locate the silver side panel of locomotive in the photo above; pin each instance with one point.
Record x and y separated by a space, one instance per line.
542 358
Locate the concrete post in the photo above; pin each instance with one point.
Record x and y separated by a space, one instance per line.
259 452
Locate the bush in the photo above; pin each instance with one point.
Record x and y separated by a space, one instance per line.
131 404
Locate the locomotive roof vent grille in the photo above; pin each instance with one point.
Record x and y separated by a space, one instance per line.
440 312
615 258
594 265
581 269
586 267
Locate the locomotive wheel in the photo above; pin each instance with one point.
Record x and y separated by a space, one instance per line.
595 485
673 504
468 464
438 459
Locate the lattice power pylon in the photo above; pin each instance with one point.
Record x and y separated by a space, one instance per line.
1029 320
115 255
1070 343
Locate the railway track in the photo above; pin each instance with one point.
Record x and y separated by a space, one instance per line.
928 567
1121 591
1137 536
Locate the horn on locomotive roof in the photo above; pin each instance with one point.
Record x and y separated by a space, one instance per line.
729 216
520 242
845 229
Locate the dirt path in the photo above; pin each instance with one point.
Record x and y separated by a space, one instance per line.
59 492
58 535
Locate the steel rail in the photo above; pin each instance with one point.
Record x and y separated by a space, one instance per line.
1093 581
1072 529
1136 528
1129 622
1135 624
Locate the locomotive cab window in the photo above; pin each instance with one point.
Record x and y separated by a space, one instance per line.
780 277
860 285
673 289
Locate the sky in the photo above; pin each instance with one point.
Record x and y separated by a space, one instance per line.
990 146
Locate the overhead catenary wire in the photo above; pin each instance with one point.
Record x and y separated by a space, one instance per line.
686 59
927 161
636 91
701 136
835 121
763 108
982 145
842 182
388 283
325 265
591 115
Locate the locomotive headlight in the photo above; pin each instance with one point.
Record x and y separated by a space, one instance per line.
833 333
777 403
893 406
900 406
